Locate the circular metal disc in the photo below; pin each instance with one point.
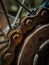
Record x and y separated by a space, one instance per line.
31 44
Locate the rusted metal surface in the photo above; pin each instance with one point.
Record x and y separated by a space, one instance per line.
31 44
36 36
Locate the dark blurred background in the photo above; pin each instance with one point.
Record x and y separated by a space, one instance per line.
12 7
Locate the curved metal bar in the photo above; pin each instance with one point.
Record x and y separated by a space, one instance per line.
42 54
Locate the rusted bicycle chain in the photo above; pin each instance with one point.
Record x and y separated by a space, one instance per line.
26 23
